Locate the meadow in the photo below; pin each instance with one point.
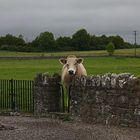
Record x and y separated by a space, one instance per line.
120 52
27 69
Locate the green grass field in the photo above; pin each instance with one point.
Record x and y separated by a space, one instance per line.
27 69
123 52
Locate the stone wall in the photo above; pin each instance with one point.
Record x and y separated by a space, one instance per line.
112 99
47 94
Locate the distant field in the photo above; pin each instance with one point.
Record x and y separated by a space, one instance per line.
27 69
123 52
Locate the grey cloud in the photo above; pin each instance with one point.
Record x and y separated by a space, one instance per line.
64 17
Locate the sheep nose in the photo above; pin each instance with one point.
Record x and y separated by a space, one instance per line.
71 72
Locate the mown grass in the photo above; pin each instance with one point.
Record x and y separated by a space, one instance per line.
27 69
123 52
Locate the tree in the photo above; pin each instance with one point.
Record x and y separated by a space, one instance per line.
104 40
11 40
98 42
20 40
63 43
45 41
81 40
110 48
117 41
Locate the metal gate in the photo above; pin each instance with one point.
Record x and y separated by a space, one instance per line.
16 95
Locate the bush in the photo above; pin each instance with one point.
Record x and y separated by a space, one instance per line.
19 48
110 48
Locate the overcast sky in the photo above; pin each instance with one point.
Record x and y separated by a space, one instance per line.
64 17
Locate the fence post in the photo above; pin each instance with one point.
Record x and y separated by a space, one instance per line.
62 98
12 96
69 98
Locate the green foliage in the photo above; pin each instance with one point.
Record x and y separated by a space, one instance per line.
99 42
11 40
117 41
12 43
128 45
45 41
63 43
81 39
110 48
19 48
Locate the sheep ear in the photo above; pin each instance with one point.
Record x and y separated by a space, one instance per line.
80 60
63 60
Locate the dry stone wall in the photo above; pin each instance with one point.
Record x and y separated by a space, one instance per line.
108 99
47 94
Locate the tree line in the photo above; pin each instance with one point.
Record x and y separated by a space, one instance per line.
81 40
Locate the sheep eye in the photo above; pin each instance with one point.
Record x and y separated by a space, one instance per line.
67 65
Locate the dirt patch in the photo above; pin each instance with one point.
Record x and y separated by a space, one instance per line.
50 129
